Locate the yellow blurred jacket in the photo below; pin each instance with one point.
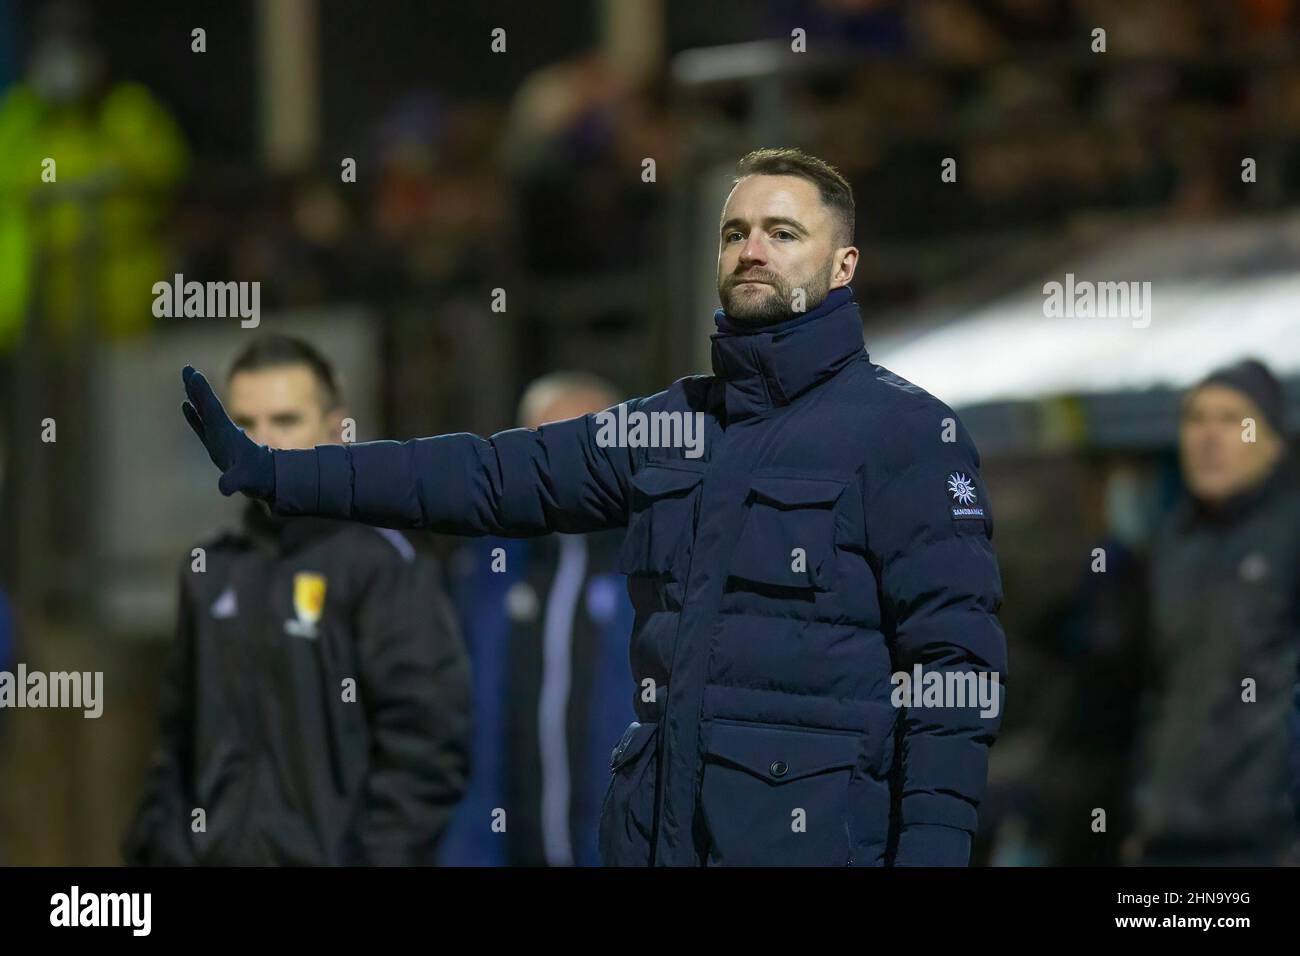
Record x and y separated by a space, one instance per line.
114 166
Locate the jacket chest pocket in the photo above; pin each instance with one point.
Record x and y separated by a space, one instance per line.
661 523
787 540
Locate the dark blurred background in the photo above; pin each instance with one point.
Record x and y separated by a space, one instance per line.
521 171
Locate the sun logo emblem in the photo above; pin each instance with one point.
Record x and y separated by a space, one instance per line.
961 488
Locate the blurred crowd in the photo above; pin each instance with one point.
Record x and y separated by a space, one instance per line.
454 191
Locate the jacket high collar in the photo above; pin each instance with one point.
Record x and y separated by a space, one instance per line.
769 366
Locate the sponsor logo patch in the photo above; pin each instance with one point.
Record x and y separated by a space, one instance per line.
962 490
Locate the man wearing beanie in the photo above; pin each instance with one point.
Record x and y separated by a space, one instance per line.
1216 772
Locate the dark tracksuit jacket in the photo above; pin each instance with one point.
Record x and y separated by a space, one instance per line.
1218 776
258 727
834 531
547 630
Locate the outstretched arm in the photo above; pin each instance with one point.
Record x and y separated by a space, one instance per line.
517 483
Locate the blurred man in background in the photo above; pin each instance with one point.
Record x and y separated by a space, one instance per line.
547 623
316 708
1214 786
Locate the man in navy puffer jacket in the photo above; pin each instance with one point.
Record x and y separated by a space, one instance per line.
807 533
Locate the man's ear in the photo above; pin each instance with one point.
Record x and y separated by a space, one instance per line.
843 275
1275 441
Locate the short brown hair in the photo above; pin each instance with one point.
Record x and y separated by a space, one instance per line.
833 188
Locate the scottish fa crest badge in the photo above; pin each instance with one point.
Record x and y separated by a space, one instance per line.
308 603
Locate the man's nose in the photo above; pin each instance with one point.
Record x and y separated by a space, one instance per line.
1211 443
753 250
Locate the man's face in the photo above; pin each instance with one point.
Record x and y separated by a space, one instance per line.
1217 463
777 236
282 407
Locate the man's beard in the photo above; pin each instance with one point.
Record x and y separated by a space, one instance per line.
771 303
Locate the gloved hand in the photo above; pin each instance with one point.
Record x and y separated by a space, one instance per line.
245 465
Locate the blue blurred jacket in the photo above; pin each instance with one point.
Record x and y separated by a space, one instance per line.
547 624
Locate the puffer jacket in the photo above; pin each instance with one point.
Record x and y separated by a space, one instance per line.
834 531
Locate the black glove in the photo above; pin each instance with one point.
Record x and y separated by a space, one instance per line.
245 465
